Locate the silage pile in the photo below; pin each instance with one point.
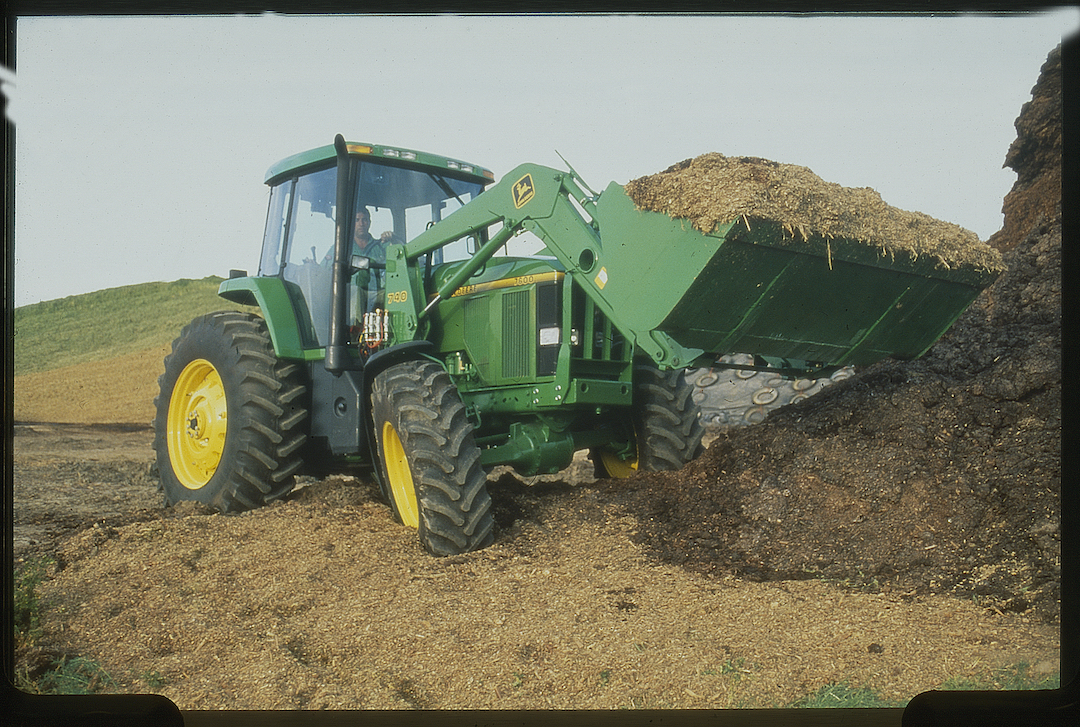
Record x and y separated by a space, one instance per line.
940 475
713 189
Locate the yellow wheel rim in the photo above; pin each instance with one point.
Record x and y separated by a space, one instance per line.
198 418
400 476
618 468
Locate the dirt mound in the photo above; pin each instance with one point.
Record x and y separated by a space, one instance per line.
939 475
713 189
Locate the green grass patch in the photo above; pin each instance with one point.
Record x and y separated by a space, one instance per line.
109 323
1016 677
844 696
28 576
77 675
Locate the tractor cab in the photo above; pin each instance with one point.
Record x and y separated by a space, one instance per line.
396 194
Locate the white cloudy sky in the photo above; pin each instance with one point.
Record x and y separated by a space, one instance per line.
141 143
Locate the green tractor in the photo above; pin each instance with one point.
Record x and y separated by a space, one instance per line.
427 355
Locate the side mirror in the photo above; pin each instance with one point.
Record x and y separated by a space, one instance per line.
359 262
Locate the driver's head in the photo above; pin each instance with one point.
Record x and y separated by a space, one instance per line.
363 221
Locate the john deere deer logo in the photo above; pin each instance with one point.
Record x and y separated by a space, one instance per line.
523 191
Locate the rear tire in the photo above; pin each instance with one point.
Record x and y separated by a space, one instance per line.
228 429
428 459
667 426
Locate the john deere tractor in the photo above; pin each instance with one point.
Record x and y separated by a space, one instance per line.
396 334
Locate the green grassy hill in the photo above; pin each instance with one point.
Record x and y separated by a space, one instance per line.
109 323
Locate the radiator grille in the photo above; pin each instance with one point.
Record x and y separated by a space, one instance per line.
517 334
477 335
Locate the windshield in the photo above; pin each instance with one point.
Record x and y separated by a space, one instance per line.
411 199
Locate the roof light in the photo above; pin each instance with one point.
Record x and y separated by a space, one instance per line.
398 154
469 168
358 148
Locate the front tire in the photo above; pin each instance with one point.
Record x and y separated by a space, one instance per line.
667 427
228 429
428 459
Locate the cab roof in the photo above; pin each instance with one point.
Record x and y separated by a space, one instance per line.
395 155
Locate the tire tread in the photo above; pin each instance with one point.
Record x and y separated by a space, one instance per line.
422 402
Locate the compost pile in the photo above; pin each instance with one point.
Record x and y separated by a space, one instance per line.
1035 156
938 475
713 189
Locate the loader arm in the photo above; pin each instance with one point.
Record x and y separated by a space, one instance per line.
552 205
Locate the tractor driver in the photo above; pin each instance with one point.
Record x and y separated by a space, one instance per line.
366 285
366 245
369 283
363 243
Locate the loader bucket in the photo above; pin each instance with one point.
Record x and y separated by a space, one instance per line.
753 286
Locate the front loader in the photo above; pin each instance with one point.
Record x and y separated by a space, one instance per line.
428 356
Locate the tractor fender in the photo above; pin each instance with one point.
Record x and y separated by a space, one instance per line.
272 297
384 359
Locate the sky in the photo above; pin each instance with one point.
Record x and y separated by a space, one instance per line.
141 143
